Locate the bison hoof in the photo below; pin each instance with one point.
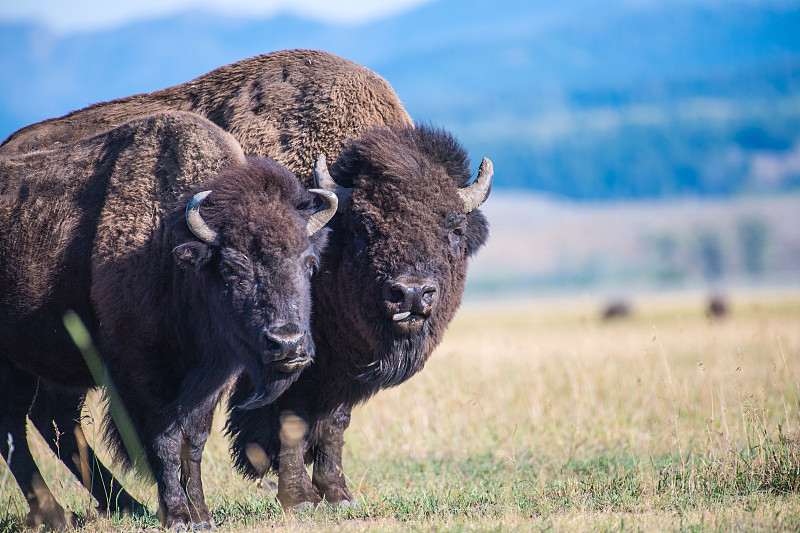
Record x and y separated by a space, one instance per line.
335 494
300 501
347 504
181 525
302 507
201 526
205 526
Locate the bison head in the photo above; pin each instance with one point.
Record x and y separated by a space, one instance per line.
407 224
247 267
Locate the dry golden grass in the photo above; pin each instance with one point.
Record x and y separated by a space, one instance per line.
541 416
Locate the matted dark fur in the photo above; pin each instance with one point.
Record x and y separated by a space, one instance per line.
100 227
404 217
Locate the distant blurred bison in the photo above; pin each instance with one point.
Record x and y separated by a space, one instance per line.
717 306
394 272
179 303
616 309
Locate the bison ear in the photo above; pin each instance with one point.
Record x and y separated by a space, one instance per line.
320 240
192 254
477 232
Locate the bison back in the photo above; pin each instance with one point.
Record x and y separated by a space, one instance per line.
289 105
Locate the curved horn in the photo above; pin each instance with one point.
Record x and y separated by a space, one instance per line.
477 192
196 222
325 213
323 180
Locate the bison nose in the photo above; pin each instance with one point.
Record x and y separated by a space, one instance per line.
281 343
410 297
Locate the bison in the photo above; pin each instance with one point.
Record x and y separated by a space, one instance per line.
390 283
394 271
616 309
717 307
189 264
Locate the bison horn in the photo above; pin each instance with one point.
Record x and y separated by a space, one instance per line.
323 180
325 213
196 222
477 192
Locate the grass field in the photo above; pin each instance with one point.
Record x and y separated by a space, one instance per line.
542 417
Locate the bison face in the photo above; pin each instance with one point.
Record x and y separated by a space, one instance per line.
268 296
251 277
406 228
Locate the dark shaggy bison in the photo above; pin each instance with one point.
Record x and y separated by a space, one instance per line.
393 275
179 302
390 283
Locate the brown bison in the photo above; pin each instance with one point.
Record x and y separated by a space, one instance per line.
394 271
717 307
616 309
189 264
390 283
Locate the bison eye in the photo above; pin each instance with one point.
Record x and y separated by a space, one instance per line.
230 269
312 264
227 270
455 237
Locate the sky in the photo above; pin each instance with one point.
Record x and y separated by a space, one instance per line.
75 16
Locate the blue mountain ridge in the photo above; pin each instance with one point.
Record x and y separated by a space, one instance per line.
585 99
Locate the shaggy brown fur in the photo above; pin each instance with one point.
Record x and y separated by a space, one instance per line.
99 227
288 106
403 223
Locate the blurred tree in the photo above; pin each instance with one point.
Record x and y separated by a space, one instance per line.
665 247
753 237
711 256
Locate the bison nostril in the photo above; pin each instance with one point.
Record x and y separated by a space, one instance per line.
282 345
397 293
428 295
410 296
272 345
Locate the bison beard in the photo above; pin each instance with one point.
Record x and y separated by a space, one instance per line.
402 359
267 395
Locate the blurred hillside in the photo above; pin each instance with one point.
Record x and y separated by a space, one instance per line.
584 99
542 245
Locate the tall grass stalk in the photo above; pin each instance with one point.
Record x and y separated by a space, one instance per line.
130 439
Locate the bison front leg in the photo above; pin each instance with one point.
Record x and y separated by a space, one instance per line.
164 458
328 477
17 391
295 490
196 429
